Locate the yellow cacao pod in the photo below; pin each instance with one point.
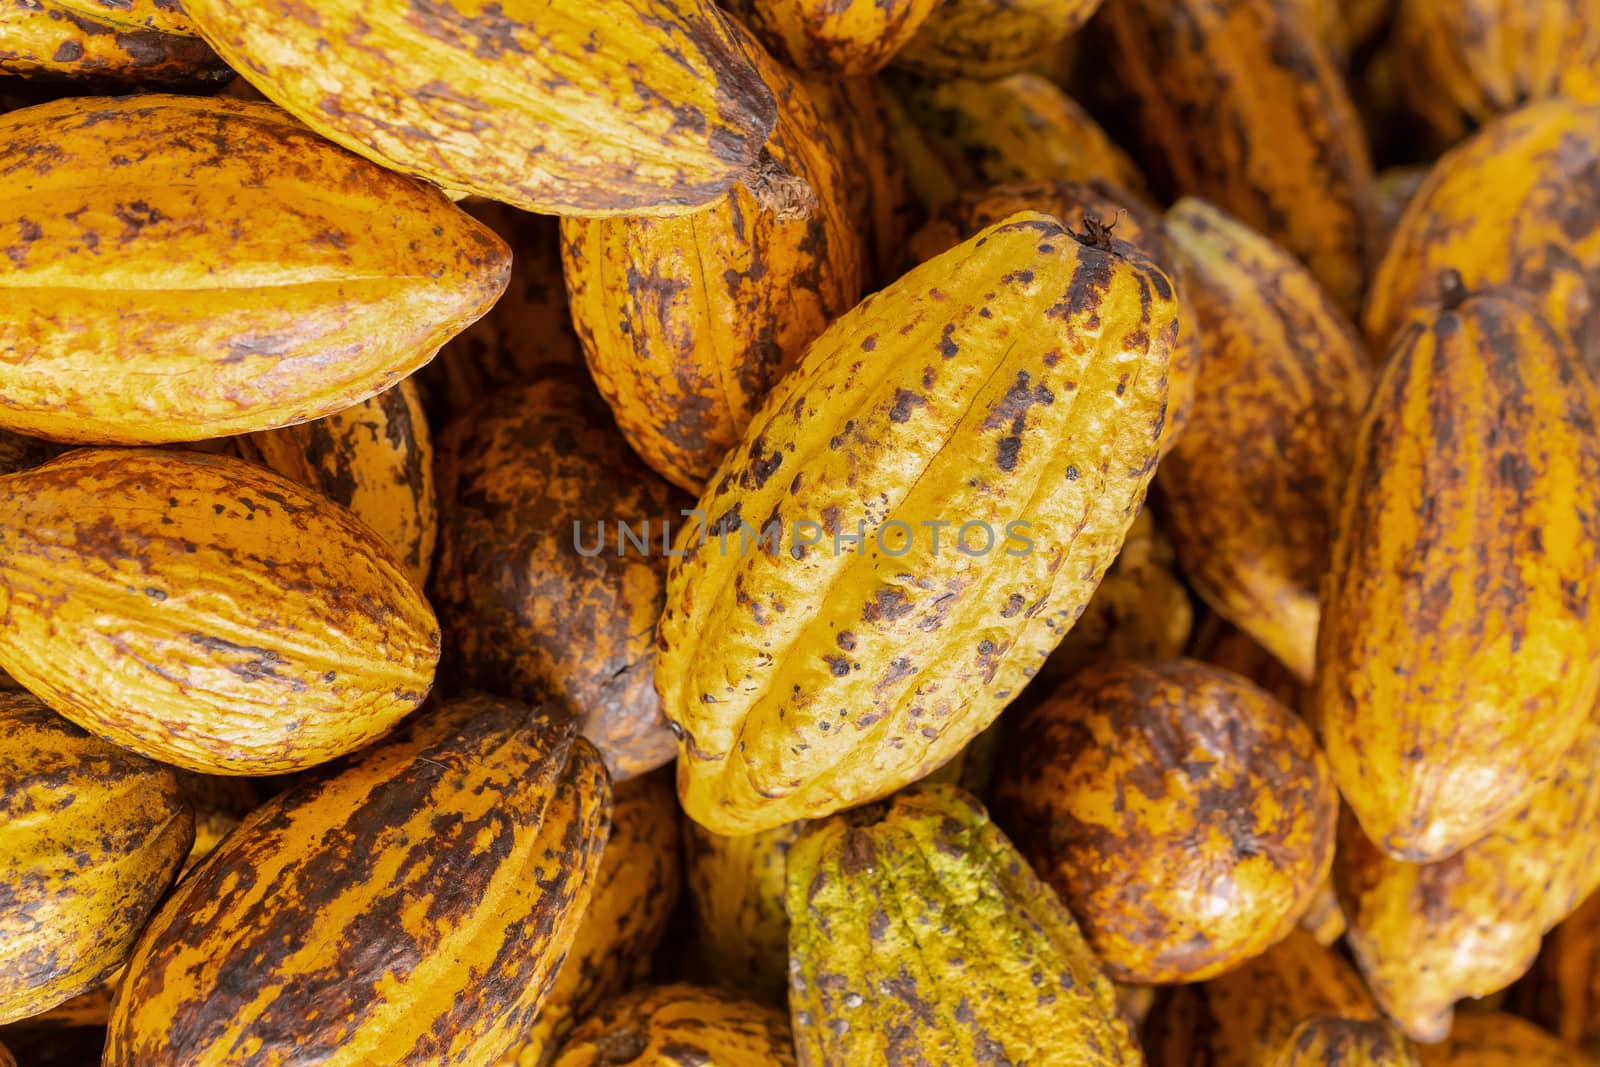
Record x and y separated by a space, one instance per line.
109 41
852 39
736 891
990 38
681 1024
1331 1042
1493 1039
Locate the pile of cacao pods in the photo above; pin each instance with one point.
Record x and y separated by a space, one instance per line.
422 422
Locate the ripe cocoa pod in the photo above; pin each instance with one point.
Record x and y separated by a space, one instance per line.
686 323
990 38
1251 491
681 1024
132 41
736 890
1486 906
247 274
539 593
852 39
1457 658
1540 231
1233 801
206 612
1017 379
376 459
1494 1039
1562 992
1238 102
1331 1042
638 107
883 899
466 847
635 890
92 836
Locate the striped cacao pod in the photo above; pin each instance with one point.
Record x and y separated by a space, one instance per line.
681 1025
1326 1041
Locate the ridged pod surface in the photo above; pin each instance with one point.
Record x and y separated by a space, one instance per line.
534 593
1518 204
1458 655
681 1026
1332 1042
1017 382
686 323
635 891
1238 102
637 107
1018 129
990 38
131 41
1145 793
1428 935
376 459
92 836
245 273
1240 1018
1251 492
1494 1039
736 890
416 904
206 612
1562 992
883 900
1464 63
853 38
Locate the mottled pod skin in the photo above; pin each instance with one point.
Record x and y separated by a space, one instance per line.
686 323
1240 1018
1518 204
1458 655
1562 992
736 890
1251 491
415 902
1494 1039
1428 935
19 452
1326 1041
1237 101
112 42
851 39
635 890
1019 378
92 836
376 459
1184 815
206 612
526 480
638 107
990 38
681 1026
179 268
1017 129
920 936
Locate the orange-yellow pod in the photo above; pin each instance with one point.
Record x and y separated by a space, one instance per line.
105 41
990 38
1562 992
1495 1039
852 39
1327 1041
681 1024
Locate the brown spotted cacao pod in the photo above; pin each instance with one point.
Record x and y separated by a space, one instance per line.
1326 1041
852 39
111 42
990 38
679 1025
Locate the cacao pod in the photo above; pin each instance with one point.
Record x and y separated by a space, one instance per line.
206 612
1562 992
1238 102
1251 492
681 1025
1330 1042
1019 378
1222 644
113 42
920 936
851 39
246 274
416 904
636 107
1145 793
1493 1039
686 323
990 38
92 836
534 600
1457 658
736 889
1324 919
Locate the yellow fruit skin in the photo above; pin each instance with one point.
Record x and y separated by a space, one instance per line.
1145 793
736 890
680 1026
686 323
376 459
852 39
1468 926
246 274
206 612
1515 204
1332 1042
636 107
416 904
92 836
1018 378
635 890
990 38
1457 658
1493 1039
885 900
1562 991
139 41
1238 102
1251 491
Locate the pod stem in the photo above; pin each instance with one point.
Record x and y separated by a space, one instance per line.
779 190
1452 289
1096 234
